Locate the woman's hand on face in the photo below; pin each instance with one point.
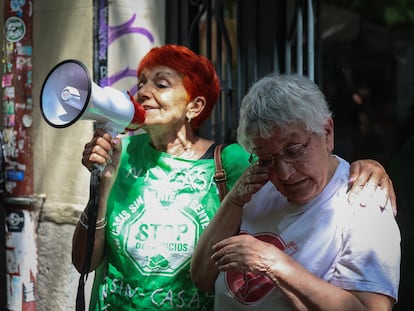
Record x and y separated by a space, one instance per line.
102 152
369 181
253 178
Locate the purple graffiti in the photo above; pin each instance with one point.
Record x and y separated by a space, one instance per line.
112 33
117 31
127 72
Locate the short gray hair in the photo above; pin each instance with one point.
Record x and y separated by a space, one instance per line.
280 101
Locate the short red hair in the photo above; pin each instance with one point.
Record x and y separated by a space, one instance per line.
199 75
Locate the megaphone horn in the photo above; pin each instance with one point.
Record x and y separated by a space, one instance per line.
68 94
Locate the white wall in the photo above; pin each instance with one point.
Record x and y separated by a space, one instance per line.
62 30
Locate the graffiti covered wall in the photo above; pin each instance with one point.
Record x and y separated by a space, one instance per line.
126 31
17 104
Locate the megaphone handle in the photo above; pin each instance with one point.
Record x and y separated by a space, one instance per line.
113 132
110 130
99 168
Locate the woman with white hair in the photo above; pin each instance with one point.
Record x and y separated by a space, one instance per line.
286 237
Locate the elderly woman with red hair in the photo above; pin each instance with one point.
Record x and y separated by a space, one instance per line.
158 192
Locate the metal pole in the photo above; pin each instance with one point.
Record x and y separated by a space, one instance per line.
311 41
21 250
299 40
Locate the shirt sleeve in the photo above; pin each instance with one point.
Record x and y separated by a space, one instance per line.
370 259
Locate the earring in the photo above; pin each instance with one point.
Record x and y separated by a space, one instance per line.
189 119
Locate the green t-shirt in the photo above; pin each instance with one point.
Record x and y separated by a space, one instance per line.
157 210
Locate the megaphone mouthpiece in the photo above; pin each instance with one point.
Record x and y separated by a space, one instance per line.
139 115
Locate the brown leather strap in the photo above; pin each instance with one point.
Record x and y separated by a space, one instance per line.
220 175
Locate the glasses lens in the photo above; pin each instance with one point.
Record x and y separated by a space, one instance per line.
290 154
294 152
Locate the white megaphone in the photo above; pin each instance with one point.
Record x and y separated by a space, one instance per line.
68 95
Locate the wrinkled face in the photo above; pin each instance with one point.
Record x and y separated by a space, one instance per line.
162 94
301 161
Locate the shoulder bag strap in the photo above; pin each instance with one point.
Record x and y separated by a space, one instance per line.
220 175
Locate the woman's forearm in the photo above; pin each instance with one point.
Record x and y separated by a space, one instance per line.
79 241
225 223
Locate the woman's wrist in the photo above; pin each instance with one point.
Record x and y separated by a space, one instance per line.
84 222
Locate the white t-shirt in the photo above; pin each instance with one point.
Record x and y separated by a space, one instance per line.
349 246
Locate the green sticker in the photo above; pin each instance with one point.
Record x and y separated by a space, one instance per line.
15 29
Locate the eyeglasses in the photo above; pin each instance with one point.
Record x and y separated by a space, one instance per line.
291 154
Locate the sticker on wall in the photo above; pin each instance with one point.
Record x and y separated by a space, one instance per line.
15 29
9 92
24 50
7 80
14 175
27 120
15 221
